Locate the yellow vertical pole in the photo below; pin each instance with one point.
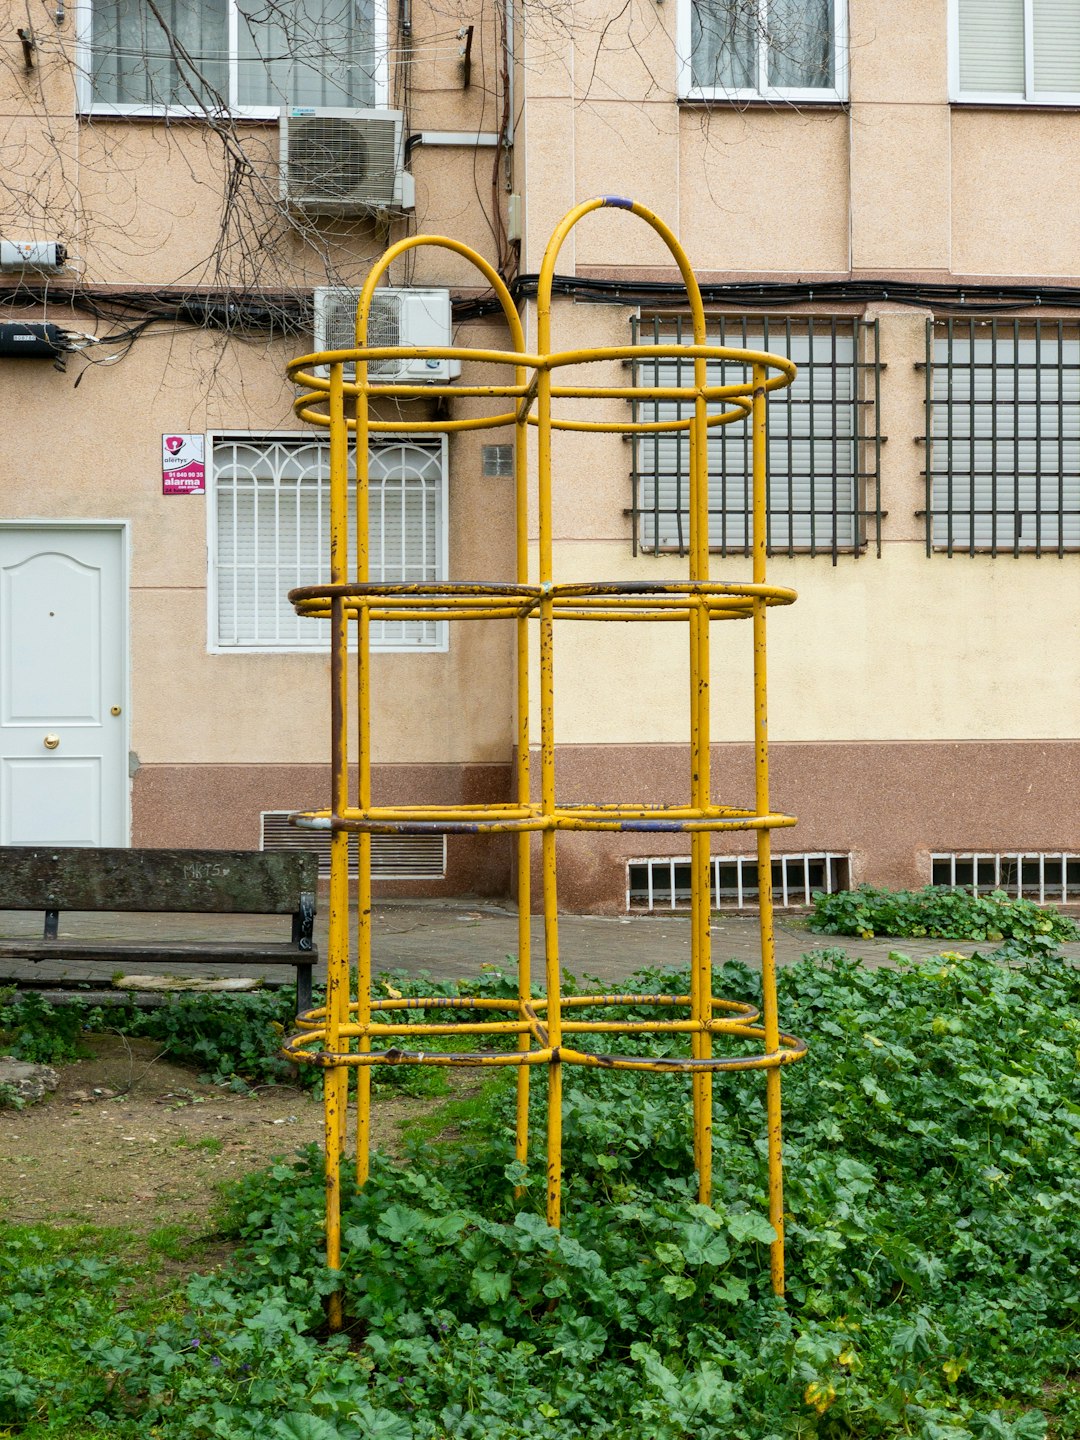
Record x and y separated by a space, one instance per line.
547 757
363 757
700 772
524 839
764 844
336 1079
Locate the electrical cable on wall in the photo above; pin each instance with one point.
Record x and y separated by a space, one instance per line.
289 313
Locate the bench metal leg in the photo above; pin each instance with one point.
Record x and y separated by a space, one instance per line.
303 988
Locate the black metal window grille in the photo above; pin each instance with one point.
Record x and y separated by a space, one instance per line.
663 883
1049 877
1003 441
824 450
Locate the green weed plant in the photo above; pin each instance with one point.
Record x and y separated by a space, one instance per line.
932 1139
940 913
229 1039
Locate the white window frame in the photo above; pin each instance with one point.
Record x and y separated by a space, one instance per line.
88 105
686 89
441 642
1029 95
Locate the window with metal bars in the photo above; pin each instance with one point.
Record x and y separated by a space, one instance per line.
823 454
269 522
1003 437
663 883
1050 877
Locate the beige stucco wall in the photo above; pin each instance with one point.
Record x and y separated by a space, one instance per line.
899 181
138 202
905 648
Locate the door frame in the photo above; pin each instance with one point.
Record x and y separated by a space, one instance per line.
123 527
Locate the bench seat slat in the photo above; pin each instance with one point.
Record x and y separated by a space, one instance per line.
238 952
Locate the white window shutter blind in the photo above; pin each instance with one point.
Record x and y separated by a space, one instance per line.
1056 29
992 46
306 52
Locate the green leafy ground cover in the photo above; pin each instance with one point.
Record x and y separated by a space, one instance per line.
933 1194
941 913
231 1039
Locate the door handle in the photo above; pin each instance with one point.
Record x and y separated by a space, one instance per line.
51 742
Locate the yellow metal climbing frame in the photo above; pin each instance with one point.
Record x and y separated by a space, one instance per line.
349 1031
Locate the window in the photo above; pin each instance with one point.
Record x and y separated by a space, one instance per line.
1003 409
1016 51
823 446
249 56
787 50
1050 878
269 519
664 883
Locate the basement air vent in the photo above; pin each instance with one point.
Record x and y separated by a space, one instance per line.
393 857
1051 878
664 883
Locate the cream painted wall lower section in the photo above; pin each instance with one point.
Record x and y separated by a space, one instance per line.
191 707
908 647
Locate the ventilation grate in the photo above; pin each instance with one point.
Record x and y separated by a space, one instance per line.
393 857
498 461
664 883
1050 877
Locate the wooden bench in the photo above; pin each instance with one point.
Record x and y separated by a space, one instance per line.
203 882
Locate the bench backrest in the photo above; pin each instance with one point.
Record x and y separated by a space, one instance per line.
208 882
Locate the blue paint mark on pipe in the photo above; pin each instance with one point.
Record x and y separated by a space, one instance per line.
618 202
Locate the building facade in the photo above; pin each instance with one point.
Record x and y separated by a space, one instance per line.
879 192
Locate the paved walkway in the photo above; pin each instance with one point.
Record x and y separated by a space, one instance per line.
453 940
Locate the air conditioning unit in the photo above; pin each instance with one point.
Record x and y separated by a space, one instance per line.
398 317
344 162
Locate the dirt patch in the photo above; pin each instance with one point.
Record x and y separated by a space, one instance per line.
130 1139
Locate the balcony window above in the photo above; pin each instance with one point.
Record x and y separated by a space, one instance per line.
782 50
248 57
1016 52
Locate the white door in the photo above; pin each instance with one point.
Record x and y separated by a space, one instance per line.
63 688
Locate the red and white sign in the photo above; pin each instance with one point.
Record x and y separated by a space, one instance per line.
183 464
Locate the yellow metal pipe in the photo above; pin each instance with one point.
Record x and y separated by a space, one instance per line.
791 1050
764 843
340 1036
335 1083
